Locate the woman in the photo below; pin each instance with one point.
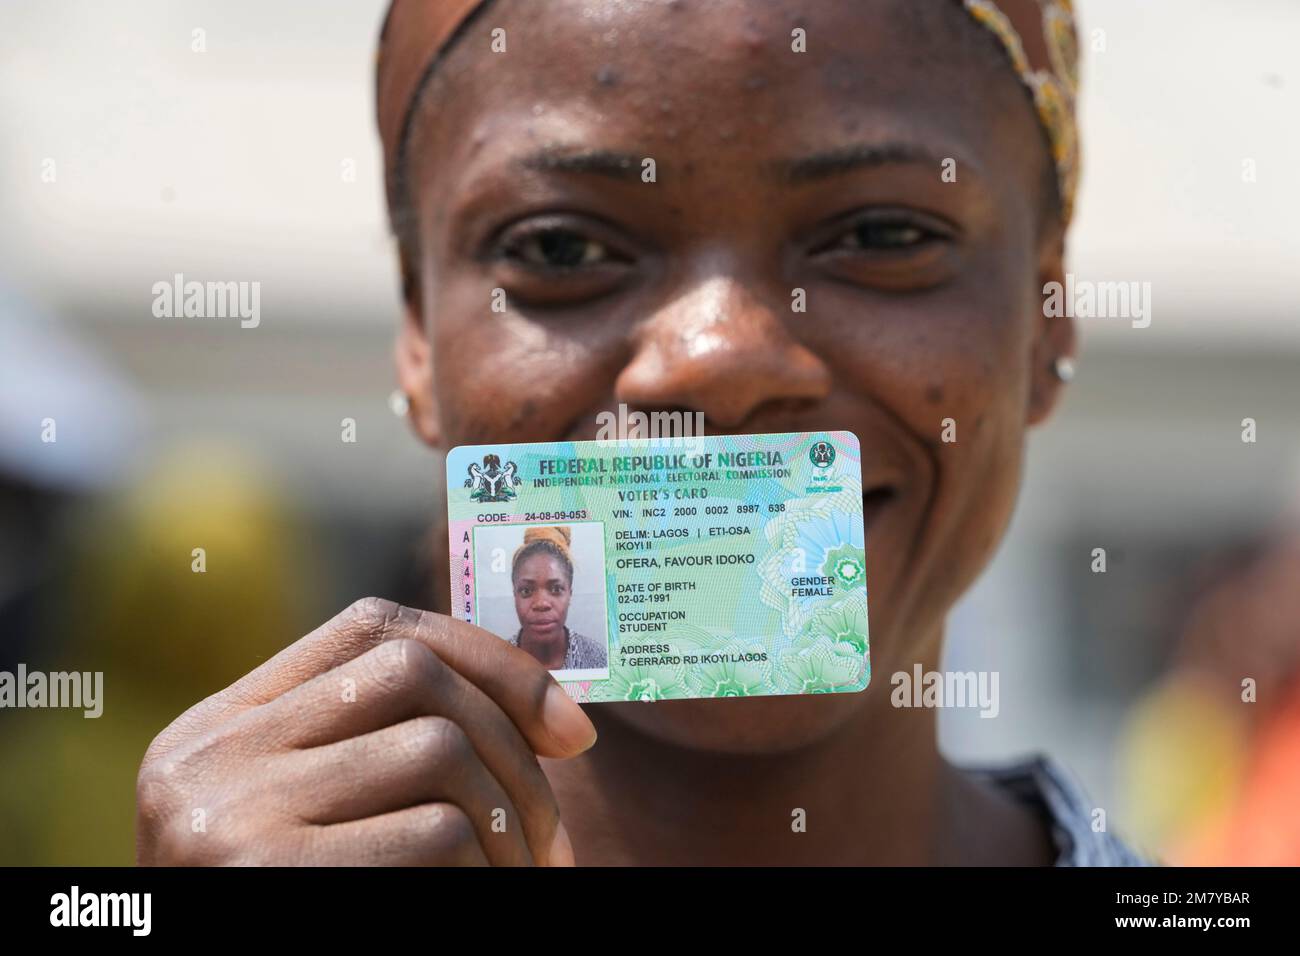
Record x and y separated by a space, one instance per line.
541 577
648 188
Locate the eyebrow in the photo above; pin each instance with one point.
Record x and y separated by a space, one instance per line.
845 159
835 162
600 162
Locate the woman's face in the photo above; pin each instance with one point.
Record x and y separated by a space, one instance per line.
542 592
774 171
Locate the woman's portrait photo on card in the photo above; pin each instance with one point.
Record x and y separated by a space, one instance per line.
542 588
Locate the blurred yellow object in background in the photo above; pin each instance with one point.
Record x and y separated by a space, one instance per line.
1262 827
1182 754
165 635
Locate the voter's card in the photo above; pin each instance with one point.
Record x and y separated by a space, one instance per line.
668 568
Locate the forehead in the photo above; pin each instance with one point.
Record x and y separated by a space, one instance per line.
541 564
720 84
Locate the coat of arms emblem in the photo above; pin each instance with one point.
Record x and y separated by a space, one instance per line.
490 482
822 454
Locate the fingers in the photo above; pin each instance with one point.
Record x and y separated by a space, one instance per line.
422 761
400 680
380 712
395 682
433 834
344 636
552 723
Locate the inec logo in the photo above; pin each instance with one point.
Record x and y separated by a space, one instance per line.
491 482
822 454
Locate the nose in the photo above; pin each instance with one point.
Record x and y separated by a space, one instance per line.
717 349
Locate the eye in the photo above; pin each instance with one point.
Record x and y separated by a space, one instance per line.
556 248
560 260
888 235
894 248
885 234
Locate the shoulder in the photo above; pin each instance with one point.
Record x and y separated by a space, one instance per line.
1051 790
587 650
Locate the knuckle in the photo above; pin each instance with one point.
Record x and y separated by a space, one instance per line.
175 841
372 614
174 844
450 833
165 821
406 665
438 741
194 804
155 796
216 828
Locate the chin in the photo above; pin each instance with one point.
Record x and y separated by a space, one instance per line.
747 725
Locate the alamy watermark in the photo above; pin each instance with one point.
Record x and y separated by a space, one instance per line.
75 908
60 689
1085 299
672 429
208 300
978 689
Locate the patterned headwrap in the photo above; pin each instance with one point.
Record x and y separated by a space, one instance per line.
1038 35
556 540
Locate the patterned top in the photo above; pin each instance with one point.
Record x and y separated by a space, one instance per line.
581 653
1049 789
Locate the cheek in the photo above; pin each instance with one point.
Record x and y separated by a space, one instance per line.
949 373
979 473
943 363
501 377
968 404
981 399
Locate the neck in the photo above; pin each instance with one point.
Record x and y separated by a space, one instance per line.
867 794
548 647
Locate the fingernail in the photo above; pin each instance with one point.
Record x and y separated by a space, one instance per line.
570 727
561 848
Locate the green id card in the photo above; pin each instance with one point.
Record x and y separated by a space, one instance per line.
662 569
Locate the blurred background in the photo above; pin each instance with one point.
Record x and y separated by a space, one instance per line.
235 140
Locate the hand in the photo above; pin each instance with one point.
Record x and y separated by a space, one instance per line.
387 736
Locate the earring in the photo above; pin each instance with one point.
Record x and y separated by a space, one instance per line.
398 403
1063 368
